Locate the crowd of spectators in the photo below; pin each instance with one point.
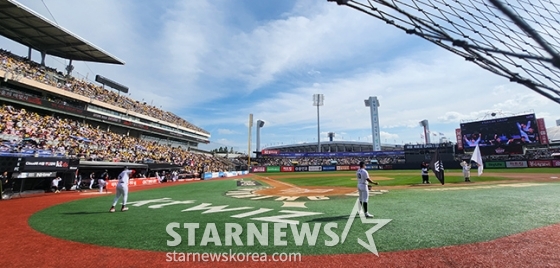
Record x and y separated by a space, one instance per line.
20 66
24 131
312 161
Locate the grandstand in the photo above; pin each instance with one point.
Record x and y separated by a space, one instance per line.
53 116
34 85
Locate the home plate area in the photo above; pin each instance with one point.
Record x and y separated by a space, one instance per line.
258 192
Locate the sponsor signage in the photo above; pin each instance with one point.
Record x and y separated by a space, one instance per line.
542 131
45 164
540 163
273 169
342 167
207 175
516 164
370 167
459 138
20 97
301 168
270 152
315 168
258 169
36 175
424 146
63 107
287 169
329 168
387 167
556 163
495 164
248 183
354 167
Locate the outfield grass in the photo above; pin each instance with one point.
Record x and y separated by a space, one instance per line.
399 177
420 218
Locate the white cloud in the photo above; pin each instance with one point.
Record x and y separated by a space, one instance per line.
187 56
224 131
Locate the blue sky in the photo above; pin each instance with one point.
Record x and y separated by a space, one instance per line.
216 62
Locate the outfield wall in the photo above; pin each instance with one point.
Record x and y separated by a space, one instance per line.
213 175
454 165
523 164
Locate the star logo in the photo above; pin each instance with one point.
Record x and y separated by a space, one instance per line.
370 244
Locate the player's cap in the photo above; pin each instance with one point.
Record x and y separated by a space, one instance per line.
362 163
125 167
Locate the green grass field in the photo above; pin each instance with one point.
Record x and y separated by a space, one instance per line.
399 177
419 218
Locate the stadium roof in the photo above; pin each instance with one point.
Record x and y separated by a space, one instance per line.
335 146
553 134
29 28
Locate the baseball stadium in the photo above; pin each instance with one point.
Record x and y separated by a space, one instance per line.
489 198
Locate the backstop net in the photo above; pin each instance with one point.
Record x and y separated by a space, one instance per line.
517 39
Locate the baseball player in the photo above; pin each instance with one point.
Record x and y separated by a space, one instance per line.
466 171
363 187
425 175
91 180
54 185
102 181
122 189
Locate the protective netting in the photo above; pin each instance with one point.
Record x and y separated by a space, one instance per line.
518 39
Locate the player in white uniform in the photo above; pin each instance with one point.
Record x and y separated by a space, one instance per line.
363 178
122 189
466 171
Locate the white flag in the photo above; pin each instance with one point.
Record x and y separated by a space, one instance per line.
476 157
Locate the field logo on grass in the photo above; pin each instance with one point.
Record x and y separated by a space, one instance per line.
260 235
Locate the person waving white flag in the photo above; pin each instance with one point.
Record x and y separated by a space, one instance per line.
476 157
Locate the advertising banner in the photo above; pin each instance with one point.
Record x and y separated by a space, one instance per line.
301 168
287 169
540 163
258 169
46 164
207 175
459 139
315 168
556 163
516 164
354 167
542 131
270 152
495 164
342 167
372 167
329 168
273 169
387 167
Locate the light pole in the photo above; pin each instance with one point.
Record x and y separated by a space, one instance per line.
318 101
373 103
249 143
260 124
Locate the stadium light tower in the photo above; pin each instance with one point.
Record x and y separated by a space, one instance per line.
426 126
373 104
260 124
318 101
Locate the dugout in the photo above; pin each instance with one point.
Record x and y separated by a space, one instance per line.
85 169
28 174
